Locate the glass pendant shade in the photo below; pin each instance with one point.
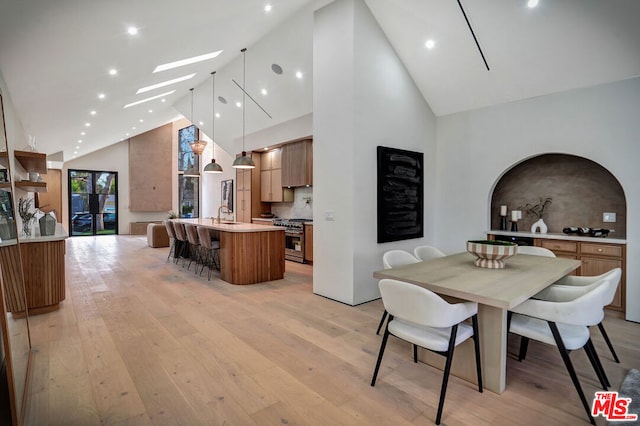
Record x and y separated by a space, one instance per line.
196 146
212 167
244 162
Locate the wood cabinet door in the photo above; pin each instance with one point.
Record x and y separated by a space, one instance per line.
595 266
265 185
308 243
243 206
297 164
276 185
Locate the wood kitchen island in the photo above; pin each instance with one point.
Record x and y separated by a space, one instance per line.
249 253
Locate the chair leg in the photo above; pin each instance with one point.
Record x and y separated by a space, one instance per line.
476 346
447 370
172 248
384 316
572 373
524 344
415 353
606 339
382 346
590 349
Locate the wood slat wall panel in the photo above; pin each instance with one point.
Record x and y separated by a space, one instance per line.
12 275
251 257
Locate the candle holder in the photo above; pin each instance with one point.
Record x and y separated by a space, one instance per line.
503 223
514 226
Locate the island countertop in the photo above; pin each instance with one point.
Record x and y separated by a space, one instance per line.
230 226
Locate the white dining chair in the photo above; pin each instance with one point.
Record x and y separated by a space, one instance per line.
573 286
565 325
393 259
535 251
423 318
427 253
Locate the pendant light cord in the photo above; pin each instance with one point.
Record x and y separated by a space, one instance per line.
213 116
244 84
191 90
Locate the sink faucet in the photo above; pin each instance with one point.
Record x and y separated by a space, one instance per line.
220 208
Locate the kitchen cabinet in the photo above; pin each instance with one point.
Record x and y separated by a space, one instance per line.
597 258
271 178
308 243
248 203
297 164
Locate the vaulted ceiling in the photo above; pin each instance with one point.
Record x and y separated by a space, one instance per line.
55 58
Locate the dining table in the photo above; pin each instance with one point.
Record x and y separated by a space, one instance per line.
495 290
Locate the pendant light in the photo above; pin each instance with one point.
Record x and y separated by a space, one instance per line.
243 162
213 167
197 146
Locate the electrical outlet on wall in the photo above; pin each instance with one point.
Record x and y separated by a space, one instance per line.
609 217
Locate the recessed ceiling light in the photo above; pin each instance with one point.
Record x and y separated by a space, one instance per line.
150 111
266 148
79 140
141 120
75 152
298 74
429 44
149 99
239 104
93 112
217 115
532 3
132 30
187 61
201 123
268 7
164 100
82 133
264 92
113 71
101 96
87 124
276 68
126 134
165 83
77 147
133 128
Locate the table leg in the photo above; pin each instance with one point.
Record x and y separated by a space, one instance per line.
492 323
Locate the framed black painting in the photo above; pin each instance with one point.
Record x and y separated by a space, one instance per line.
400 194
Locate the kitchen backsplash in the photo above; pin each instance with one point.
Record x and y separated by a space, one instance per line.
301 208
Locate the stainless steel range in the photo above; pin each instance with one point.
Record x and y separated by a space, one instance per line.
294 238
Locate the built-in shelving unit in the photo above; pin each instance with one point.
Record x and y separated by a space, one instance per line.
32 162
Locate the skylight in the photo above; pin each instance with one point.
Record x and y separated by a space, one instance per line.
149 99
188 61
165 83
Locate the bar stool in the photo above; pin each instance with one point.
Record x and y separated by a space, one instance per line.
211 247
182 243
194 245
172 238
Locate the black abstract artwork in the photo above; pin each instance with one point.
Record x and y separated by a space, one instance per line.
400 194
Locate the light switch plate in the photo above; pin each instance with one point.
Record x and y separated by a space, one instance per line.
328 215
609 217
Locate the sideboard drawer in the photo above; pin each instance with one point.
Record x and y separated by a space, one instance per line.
558 245
601 249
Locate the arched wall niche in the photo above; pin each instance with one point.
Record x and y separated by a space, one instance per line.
581 190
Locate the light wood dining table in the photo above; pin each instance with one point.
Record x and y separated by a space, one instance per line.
495 290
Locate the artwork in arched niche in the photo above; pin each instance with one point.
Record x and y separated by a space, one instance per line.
581 191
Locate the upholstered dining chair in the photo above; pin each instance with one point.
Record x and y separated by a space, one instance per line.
211 248
572 286
535 251
393 259
423 318
564 324
427 253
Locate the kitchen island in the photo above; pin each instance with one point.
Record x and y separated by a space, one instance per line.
249 253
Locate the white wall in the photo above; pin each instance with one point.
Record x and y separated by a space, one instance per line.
475 148
363 97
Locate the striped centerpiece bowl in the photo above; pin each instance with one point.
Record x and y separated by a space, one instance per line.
491 254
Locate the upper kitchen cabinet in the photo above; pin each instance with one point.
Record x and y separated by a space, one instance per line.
297 164
271 188
248 185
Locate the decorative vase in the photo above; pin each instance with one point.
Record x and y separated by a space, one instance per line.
47 225
26 227
539 224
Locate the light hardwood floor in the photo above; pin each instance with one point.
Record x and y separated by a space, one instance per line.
140 341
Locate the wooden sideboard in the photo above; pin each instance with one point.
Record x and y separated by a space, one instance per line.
596 254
